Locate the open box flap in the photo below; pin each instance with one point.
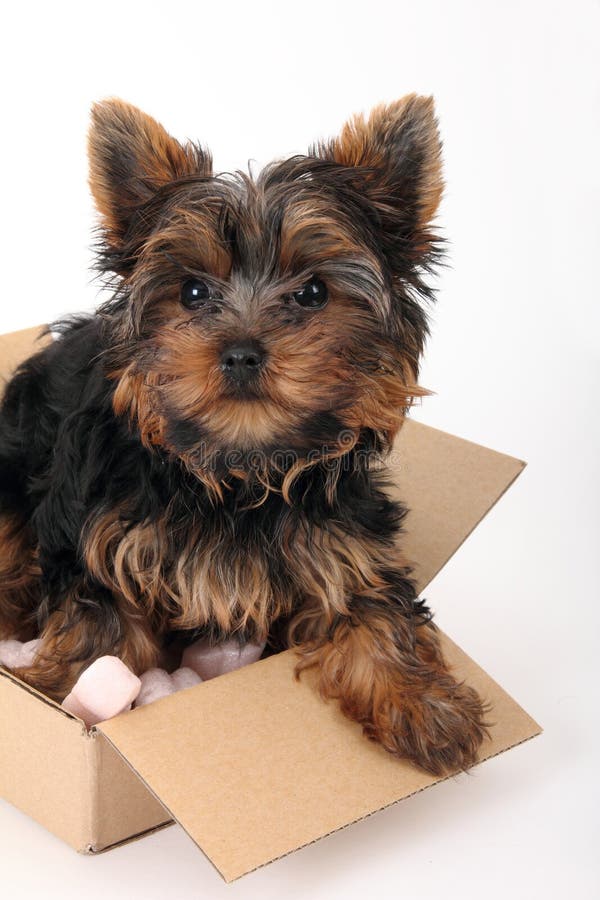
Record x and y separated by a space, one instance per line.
448 484
254 765
17 346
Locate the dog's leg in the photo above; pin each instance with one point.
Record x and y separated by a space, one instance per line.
80 632
383 663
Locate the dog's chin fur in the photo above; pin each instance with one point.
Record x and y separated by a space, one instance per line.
145 497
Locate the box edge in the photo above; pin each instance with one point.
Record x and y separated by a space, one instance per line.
380 808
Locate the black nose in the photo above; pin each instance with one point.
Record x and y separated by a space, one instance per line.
243 361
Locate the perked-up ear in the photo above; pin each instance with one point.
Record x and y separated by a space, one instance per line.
131 156
397 154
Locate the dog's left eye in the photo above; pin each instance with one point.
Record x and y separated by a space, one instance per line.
195 293
312 295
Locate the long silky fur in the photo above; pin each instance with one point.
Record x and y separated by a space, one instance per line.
144 500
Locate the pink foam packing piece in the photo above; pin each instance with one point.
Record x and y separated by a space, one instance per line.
185 678
155 684
108 687
103 690
14 654
210 661
10 651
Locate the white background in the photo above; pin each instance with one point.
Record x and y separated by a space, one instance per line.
513 360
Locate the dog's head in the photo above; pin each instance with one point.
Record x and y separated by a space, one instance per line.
276 313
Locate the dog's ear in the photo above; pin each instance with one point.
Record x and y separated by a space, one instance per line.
396 153
131 156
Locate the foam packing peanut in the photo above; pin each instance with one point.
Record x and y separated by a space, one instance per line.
185 678
103 690
209 661
108 687
15 655
156 683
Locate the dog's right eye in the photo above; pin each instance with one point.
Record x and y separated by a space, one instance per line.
195 293
312 295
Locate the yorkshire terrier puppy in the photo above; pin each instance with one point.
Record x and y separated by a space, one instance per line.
201 456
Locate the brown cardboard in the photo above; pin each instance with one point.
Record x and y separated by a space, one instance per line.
17 346
68 780
449 485
254 767
253 764
43 761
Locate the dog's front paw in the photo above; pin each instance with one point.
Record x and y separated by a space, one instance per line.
440 729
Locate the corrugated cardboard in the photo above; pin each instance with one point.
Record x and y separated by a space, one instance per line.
69 781
252 764
17 346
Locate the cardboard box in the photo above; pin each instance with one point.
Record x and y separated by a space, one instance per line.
253 765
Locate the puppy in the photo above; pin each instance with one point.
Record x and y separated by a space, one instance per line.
201 456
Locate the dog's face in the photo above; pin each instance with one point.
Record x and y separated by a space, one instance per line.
276 313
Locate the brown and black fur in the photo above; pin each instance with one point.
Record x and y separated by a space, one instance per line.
147 497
